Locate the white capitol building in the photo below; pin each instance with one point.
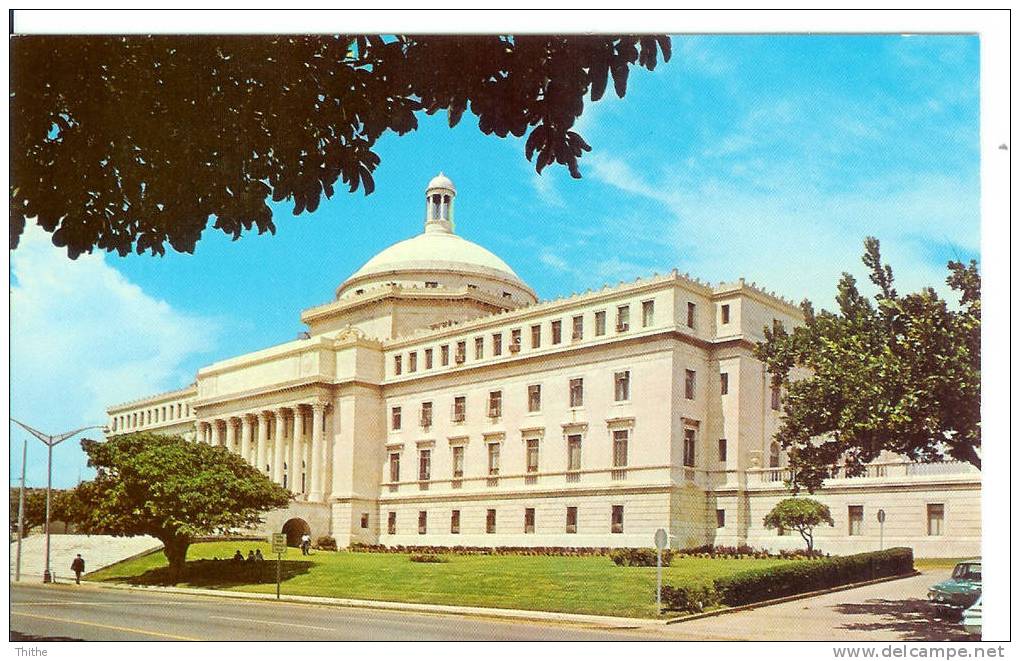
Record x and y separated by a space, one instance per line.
437 401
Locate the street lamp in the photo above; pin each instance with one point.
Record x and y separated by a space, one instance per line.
51 441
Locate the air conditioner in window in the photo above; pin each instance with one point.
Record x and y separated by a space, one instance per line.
494 411
459 358
576 336
622 327
515 347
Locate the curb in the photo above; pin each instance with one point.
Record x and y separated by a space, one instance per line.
792 597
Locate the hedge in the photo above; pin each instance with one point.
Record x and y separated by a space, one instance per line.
640 557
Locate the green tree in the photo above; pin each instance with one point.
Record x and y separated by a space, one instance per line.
902 375
129 143
173 490
800 514
35 508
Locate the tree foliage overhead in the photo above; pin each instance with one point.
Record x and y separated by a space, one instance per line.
902 374
173 490
800 514
130 143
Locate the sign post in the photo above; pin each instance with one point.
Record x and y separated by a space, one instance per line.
279 543
881 529
661 539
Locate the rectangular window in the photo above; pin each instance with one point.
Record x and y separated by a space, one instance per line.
426 414
647 313
529 520
692 311
497 344
493 458
395 418
412 361
574 452
617 526
571 519
458 461
490 521
536 336
622 318
515 340
577 392
689 383
600 323
855 519
724 383
532 455
690 444
720 518
495 403
726 313
364 520
775 398
424 465
391 523
394 467
397 365
479 348
455 522
621 381
459 408
428 359
936 518
620 437
722 449
577 328
423 522
557 331
431 284
444 355
534 398
461 355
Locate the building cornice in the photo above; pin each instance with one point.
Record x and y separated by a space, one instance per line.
171 395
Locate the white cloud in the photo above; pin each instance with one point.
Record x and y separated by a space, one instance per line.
84 337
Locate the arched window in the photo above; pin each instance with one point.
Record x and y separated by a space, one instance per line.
774 455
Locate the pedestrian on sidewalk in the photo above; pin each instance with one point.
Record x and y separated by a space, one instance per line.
78 567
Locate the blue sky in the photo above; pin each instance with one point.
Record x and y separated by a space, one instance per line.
765 157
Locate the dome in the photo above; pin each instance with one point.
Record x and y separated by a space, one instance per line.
441 181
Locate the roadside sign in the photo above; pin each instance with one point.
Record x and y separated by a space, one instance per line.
881 516
279 542
881 529
661 539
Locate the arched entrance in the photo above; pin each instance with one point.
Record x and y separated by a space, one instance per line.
294 529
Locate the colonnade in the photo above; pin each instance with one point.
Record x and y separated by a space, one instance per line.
287 443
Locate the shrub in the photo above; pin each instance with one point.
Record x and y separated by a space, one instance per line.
325 543
639 557
762 584
688 598
426 557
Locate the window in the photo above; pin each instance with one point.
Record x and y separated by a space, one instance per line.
479 348
577 392
497 344
692 311
690 445
722 449
426 414
720 518
495 403
423 522
424 465
459 407
571 519
364 520
394 467
490 521
557 331
507 294
620 437
531 458
444 355
574 452
458 461
397 365
534 398
461 355
431 284
395 418
600 322
622 318
391 523
725 311
617 526
724 383
529 520
689 383
412 361
428 359
515 340
536 336
647 313
855 519
775 398
936 517
621 389
455 522
577 328
774 455
493 458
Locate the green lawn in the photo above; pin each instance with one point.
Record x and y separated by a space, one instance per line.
592 585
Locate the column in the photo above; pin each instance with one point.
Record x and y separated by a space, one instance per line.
278 446
294 481
262 442
231 434
315 492
246 437
217 435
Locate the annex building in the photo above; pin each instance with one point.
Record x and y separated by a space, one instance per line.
435 400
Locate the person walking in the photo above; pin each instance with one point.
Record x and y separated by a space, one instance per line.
78 567
306 542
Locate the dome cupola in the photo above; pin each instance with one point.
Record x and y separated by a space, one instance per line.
439 204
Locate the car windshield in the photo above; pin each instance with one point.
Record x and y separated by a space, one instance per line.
968 571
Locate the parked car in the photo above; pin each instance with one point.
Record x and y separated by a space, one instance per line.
972 618
961 590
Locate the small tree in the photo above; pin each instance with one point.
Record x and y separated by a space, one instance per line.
800 514
164 486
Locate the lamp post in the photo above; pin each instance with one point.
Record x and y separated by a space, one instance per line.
21 509
51 441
